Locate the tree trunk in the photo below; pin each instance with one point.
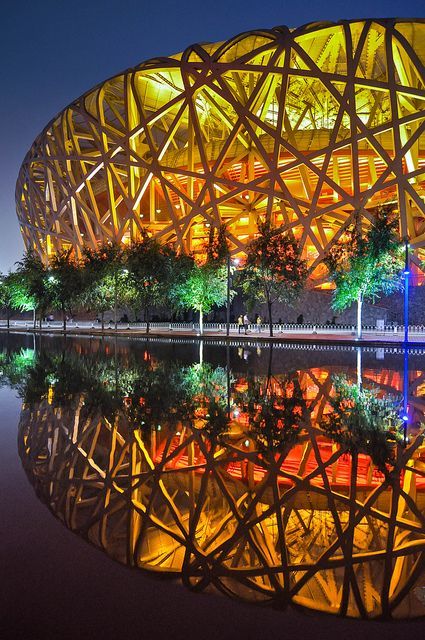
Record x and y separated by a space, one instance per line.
34 318
147 319
228 297
8 319
269 306
116 365
201 321
102 317
359 315
40 322
115 300
64 318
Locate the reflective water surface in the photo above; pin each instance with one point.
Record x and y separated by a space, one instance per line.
284 475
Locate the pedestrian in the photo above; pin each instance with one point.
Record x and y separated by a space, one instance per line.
259 322
240 323
246 323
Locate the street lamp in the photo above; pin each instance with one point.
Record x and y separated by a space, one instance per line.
229 274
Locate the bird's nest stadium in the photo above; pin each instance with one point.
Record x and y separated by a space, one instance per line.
308 127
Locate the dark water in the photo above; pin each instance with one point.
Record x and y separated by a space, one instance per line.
291 477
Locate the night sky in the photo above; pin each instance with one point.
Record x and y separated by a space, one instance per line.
54 50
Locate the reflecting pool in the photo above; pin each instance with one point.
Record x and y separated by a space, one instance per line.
292 474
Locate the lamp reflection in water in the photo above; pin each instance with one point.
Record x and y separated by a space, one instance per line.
270 503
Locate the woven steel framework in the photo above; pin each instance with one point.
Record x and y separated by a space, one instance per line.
305 127
307 523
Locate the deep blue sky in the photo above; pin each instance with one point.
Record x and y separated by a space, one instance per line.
54 50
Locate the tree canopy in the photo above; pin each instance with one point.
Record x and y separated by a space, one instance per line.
148 266
30 287
14 294
105 279
275 270
201 286
365 266
64 283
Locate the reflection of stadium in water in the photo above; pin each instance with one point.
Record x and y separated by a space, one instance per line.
193 488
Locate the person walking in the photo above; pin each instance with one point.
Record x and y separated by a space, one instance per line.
259 323
240 323
246 323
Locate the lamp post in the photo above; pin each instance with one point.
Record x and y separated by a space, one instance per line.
229 275
406 291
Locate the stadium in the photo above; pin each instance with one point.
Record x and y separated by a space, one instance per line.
310 128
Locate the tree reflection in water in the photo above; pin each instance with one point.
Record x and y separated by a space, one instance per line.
257 489
363 422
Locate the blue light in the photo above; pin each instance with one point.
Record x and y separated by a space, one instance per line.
406 272
405 418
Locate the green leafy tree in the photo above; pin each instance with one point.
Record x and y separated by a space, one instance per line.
147 263
6 296
14 295
105 280
20 298
202 286
64 281
179 266
30 287
365 266
217 248
274 270
98 283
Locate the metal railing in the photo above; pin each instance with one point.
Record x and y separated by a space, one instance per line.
395 331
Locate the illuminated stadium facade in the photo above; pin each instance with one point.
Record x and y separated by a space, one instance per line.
306 127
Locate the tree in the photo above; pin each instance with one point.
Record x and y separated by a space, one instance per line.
363 422
98 290
105 279
201 286
64 281
6 292
204 287
363 267
14 295
274 270
30 288
147 263
217 248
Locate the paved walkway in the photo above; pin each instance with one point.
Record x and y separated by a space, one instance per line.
345 335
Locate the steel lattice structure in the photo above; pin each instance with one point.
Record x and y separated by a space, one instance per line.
307 523
304 127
